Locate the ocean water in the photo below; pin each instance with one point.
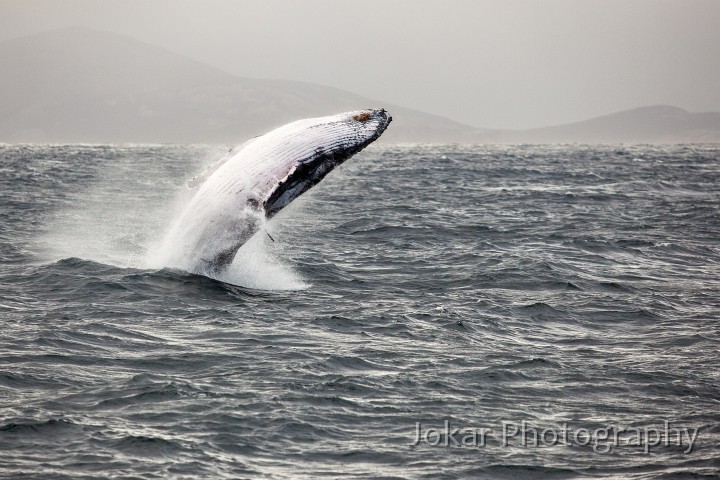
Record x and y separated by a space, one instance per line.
438 312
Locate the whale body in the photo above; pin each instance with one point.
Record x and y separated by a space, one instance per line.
256 180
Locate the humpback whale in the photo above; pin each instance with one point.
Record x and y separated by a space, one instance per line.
256 180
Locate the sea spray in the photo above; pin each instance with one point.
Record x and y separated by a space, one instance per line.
121 212
257 263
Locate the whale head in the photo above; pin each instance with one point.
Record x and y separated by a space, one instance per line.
330 141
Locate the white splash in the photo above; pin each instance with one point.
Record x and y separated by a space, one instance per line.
256 265
123 219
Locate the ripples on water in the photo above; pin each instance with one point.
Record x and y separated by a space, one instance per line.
474 285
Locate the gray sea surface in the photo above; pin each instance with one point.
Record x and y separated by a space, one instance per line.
438 312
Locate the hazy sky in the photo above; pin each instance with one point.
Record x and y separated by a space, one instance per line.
493 63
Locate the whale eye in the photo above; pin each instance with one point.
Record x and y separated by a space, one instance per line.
362 117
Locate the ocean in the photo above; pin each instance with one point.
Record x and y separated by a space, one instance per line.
425 312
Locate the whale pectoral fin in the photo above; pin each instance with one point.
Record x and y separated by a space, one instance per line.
199 179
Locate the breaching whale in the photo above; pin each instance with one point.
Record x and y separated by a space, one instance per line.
256 180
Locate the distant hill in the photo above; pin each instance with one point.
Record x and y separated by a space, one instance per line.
656 124
83 85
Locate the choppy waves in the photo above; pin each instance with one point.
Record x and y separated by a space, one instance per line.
470 285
